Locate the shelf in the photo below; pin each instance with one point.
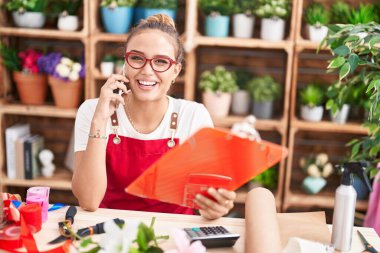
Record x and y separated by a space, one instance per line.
324 201
61 180
327 126
307 44
268 124
42 33
110 37
239 42
38 110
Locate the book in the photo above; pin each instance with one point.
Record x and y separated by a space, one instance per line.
11 135
19 153
32 147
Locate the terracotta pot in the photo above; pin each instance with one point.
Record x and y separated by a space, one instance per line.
66 94
32 88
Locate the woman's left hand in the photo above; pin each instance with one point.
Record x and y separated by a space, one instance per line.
213 209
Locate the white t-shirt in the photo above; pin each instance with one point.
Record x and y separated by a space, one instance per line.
192 116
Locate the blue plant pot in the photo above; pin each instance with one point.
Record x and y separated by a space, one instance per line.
150 12
360 188
217 26
117 20
313 185
138 14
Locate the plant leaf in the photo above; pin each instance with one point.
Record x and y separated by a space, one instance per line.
344 70
342 50
337 62
353 60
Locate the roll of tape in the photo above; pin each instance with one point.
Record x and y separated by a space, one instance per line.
32 213
10 237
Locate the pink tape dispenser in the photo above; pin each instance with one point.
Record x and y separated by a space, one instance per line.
39 195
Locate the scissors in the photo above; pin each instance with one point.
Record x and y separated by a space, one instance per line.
368 247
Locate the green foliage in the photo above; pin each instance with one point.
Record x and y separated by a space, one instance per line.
108 58
219 79
264 89
244 6
363 15
340 12
27 5
273 8
268 178
357 46
117 3
10 58
242 78
61 6
312 95
222 7
159 4
147 240
339 94
317 15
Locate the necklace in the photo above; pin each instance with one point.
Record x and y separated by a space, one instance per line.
129 116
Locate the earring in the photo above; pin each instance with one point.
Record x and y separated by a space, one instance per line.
173 81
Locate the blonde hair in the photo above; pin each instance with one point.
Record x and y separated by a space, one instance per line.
163 23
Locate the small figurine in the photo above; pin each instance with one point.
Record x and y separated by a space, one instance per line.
46 158
246 129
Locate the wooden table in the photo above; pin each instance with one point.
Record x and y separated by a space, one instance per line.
165 222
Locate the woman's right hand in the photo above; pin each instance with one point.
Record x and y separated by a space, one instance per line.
108 100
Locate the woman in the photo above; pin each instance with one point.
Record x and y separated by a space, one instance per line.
117 137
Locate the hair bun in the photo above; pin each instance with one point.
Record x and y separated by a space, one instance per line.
161 18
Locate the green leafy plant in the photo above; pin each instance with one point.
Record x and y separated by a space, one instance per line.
362 15
108 58
221 7
264 89
340 12
267 179
10 58
273 8
117 3
244 6
159 4
312 95
317 15
242 78
27 5
65 7
356 55
219 79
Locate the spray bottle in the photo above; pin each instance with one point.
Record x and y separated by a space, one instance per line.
345 202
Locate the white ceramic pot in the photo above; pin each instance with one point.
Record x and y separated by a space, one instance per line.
240 102
217 103
68 23
317 33
29 19
106 68
341 115
272 29
313 114
243 25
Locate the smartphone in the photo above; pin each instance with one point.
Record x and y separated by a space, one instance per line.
198 183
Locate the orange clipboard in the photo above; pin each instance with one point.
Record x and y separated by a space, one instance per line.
211 157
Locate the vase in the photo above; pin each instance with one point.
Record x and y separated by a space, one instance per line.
313 185
217 26
243 25
66 94
68 23
32 88
117 20
217 103
272 29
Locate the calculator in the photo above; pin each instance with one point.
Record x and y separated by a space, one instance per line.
212 237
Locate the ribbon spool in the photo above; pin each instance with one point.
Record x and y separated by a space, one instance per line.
32 216
10 237
39 201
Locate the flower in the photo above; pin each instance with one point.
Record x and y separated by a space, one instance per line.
183 244
29 59
317 165
59 66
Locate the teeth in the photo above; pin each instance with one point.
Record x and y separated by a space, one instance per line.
147 83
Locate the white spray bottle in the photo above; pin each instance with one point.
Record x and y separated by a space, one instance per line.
345 202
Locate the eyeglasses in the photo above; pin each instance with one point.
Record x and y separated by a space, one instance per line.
158 63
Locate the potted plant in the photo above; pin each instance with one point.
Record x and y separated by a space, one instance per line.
339 107
31 84
364 14
318 168
64 77
168 7
267 179
66 10
317 17
217 86
241 98
107 65
28 13
264 90
217 16
312 99
273 14
243 20
340 11
117 15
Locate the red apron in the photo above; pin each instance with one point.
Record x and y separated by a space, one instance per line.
124 163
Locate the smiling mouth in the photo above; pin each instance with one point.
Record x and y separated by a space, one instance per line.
146 83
